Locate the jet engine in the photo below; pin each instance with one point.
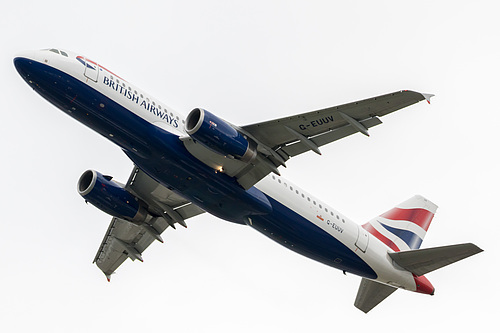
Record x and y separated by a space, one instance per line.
219 136
111 197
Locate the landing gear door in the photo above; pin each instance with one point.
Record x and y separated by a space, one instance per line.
91 70
363 237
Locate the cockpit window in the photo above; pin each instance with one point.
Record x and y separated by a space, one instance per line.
57 51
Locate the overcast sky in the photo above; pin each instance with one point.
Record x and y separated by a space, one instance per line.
248 62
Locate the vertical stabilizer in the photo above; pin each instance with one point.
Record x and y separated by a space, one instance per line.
405 226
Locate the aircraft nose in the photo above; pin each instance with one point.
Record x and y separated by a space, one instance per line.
27 65
23 61
26 55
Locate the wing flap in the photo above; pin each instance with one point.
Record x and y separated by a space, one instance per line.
371 293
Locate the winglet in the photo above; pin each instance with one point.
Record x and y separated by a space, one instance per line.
428 97
108 276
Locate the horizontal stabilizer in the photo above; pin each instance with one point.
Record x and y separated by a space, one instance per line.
423 261
371 293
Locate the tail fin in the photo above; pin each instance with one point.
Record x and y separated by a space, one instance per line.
405 226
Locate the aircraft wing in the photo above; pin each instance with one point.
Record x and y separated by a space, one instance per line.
278 140
125 239
294 135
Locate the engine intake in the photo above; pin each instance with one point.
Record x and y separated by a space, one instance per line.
110 197
218 135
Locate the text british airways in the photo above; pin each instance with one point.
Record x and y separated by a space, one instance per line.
146 105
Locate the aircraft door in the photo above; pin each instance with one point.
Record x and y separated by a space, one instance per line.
91 70
363 237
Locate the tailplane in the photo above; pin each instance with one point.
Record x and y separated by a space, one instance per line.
371 293
423 261
417 262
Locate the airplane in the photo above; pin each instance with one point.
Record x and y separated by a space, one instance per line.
186 166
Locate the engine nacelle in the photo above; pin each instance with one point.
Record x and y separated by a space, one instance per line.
218 135
110 197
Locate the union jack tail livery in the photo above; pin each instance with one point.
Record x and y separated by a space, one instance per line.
402 229
405 226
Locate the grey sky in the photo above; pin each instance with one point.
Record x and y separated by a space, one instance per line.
248 62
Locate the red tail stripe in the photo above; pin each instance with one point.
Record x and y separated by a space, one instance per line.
424 286
419 216
381 237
